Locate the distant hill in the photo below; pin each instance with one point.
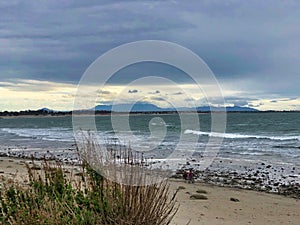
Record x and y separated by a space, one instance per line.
103 108
138 107
228 109
46 110
148 107
241 109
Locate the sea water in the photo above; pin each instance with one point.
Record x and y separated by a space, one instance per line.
250 138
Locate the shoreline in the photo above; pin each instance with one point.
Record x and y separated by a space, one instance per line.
248 207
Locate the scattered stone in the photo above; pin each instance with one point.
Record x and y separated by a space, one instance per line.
234 199
200 191
176 176
268 166
35 167
198 197
181 188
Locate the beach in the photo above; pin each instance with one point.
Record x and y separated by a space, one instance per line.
224 205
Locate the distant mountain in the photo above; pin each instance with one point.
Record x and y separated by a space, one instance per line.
228 109
148 107
103 108
46 110
241 109
138 107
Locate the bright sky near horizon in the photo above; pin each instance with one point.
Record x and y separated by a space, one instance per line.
251 46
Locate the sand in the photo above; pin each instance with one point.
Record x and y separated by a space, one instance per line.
11 168
251 208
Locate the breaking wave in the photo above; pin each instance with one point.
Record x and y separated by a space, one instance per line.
241 136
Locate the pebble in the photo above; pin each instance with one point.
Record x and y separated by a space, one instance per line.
234 199
259 180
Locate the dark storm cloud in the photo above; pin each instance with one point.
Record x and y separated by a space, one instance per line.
158 99
133 91
146 69
283 100
154 92
178 93
58 40
255 105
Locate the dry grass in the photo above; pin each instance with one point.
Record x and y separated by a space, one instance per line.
55 195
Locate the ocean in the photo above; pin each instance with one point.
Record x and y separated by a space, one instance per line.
251 139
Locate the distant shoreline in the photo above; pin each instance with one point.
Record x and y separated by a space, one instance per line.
39 113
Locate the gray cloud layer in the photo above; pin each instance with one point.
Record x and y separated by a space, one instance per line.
57 40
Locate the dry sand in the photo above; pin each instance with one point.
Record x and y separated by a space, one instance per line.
252 208
12 168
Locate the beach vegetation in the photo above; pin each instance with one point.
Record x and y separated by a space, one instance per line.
54 195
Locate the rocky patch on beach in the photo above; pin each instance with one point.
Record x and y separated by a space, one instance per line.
264 178
68 156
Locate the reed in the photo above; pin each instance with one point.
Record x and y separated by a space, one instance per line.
56 195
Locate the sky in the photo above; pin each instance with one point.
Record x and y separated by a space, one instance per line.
252 47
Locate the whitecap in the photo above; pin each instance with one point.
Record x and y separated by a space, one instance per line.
240 136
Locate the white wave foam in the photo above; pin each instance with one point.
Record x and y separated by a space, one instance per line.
51 134
240 136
